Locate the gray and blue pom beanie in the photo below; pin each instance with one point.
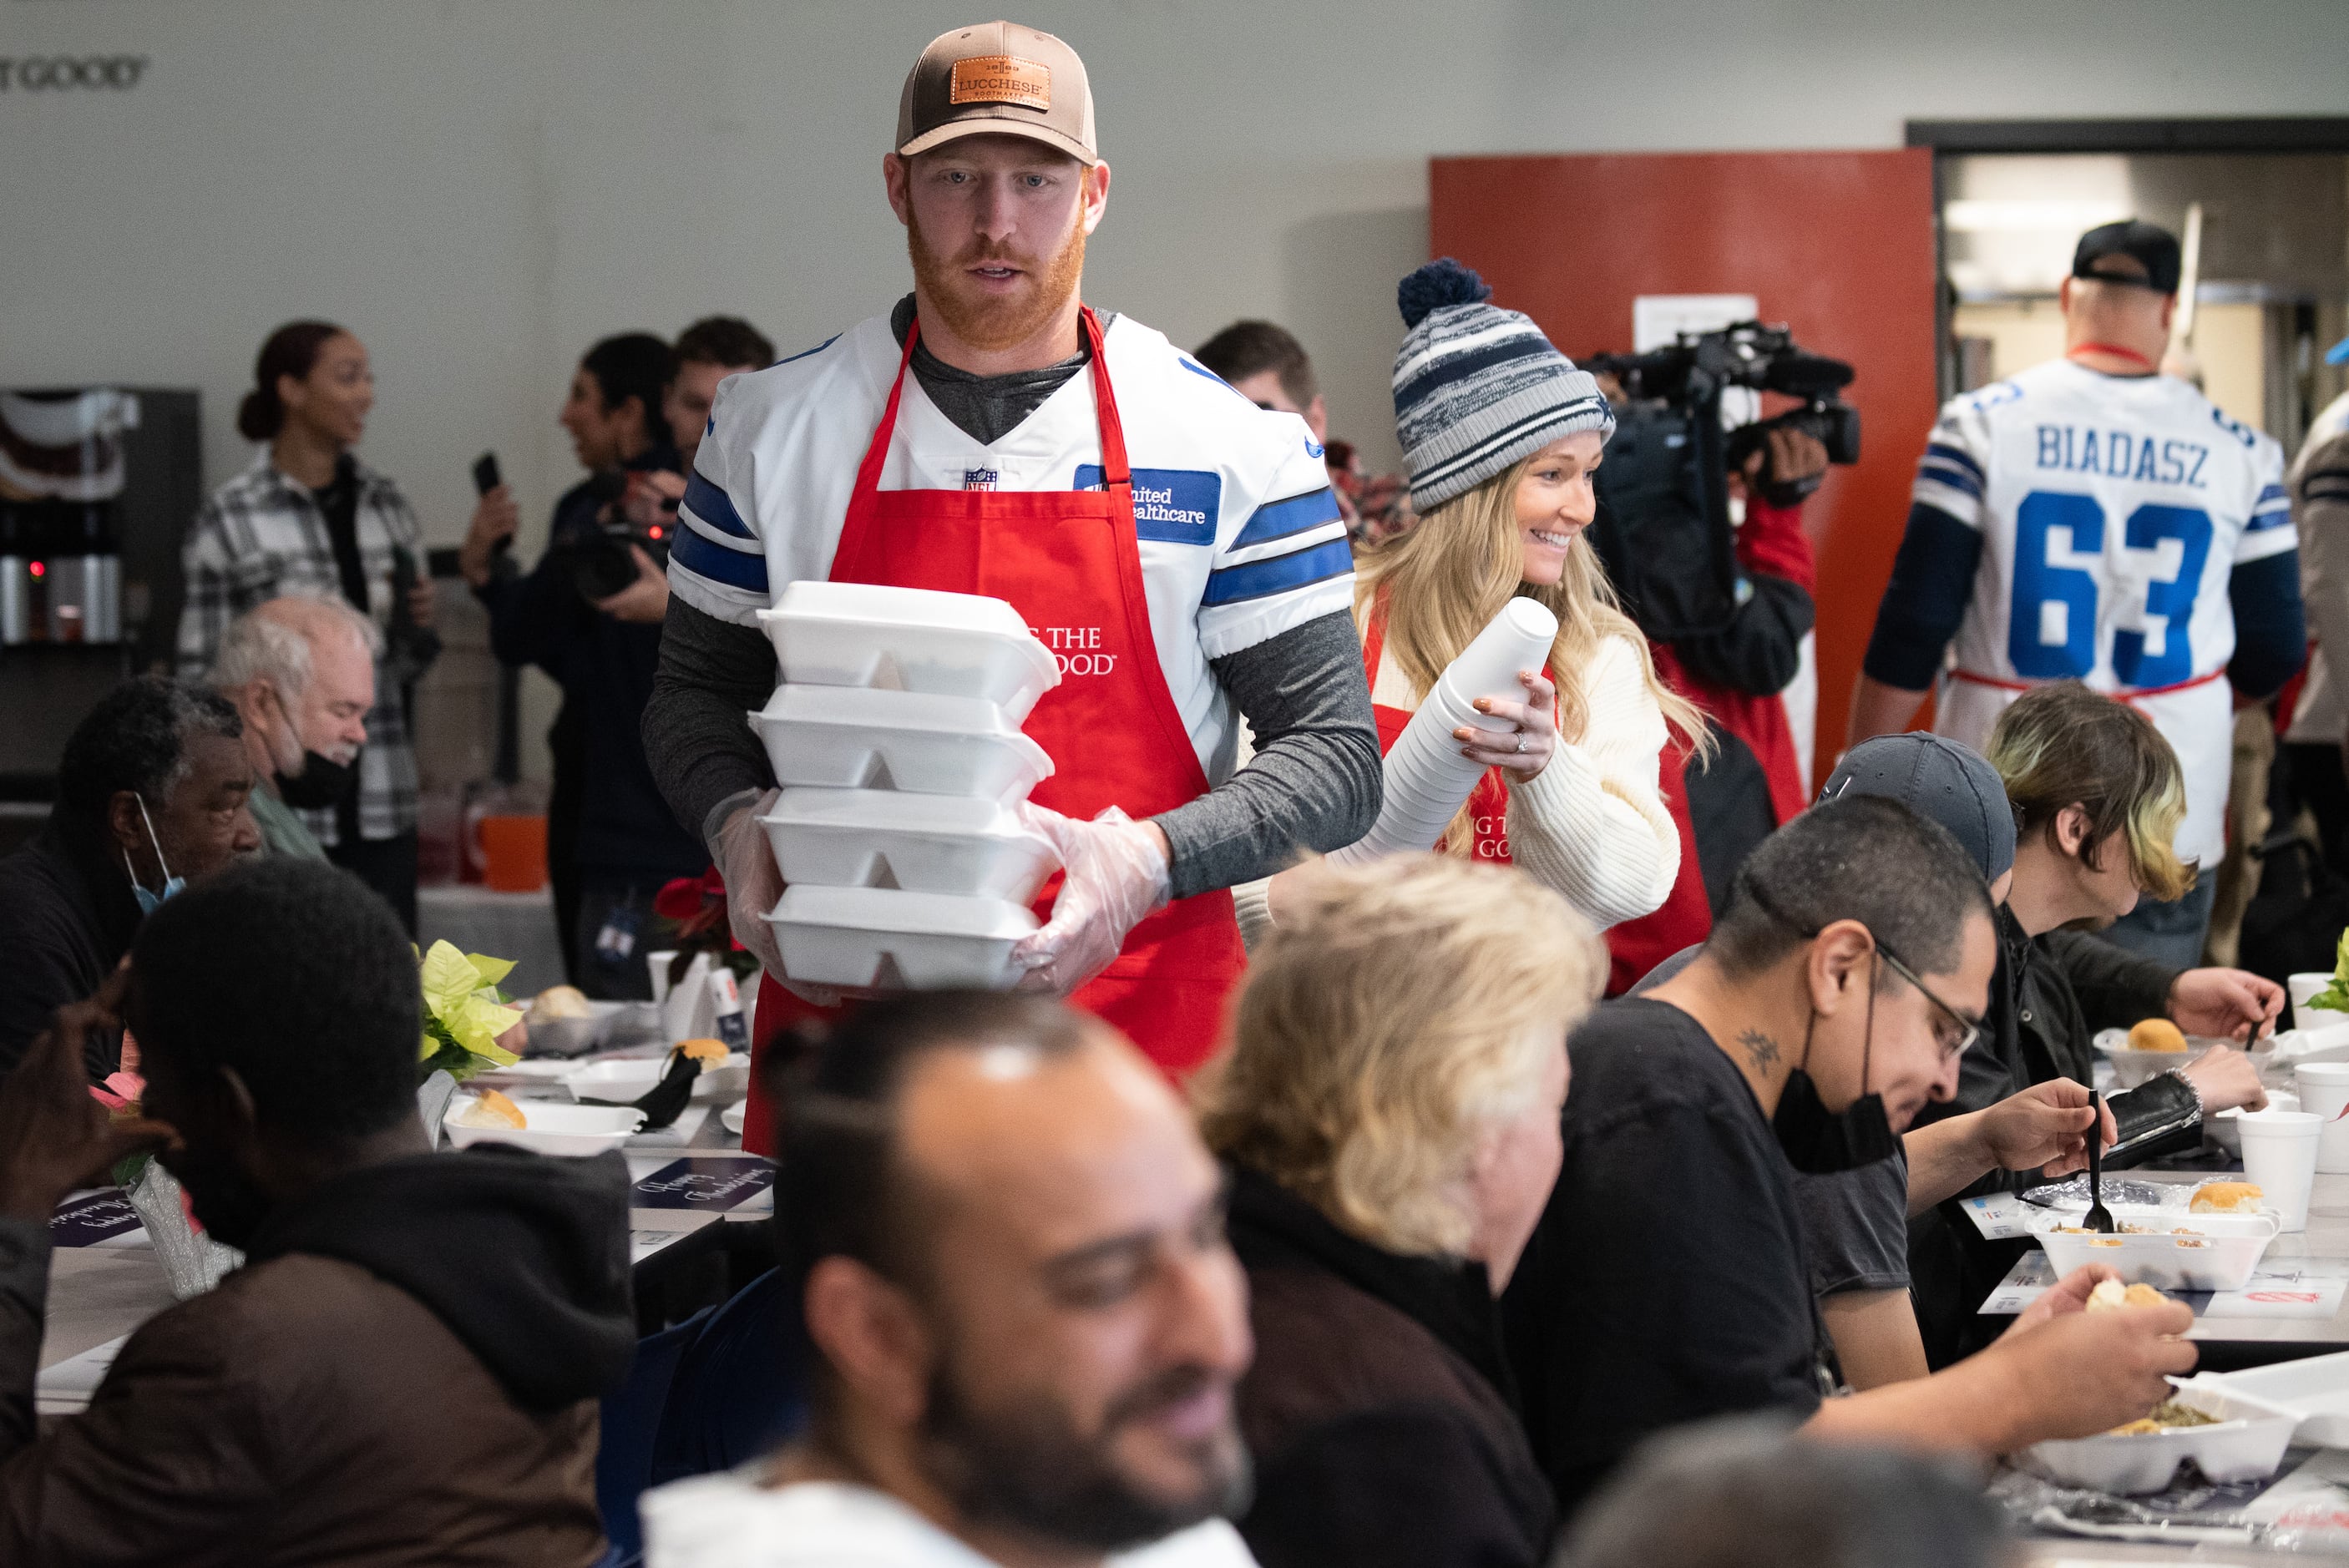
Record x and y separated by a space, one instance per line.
1478 389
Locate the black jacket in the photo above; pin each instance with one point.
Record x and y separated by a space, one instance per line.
1379 1409
2049 996
67 917
606 667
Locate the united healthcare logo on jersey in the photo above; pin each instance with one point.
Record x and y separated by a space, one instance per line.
1172 506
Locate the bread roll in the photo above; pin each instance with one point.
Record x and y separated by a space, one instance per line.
492 1110
2227 1198
2156 1035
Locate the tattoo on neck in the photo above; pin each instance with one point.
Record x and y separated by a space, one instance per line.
1760 1049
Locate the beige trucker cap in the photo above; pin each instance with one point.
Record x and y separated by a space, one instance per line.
998 78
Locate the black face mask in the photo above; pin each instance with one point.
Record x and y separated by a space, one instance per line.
1819 1141
323 782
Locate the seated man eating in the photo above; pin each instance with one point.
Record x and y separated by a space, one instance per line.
406 1368
1666 1281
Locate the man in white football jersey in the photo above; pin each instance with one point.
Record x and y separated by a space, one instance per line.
2091 517
1177 549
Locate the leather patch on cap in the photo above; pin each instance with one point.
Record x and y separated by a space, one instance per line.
1002 78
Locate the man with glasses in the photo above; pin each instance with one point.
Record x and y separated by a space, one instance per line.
1667 1281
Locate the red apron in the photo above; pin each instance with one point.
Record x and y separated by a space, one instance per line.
1488 803
1068 561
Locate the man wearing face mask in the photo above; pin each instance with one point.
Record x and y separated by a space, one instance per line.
301 671
151 796
1667 1280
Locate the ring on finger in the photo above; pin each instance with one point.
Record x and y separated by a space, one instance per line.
1521 744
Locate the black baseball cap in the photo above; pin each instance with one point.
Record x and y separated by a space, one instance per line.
2149 245
1941 781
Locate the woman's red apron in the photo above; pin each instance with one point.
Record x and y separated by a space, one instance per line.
1488 803
1067 560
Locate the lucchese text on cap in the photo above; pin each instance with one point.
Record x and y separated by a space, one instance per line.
1002 78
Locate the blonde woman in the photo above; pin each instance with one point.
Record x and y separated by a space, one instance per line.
1389 1109
1501 434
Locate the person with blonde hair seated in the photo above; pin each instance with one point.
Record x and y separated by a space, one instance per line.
1389 1110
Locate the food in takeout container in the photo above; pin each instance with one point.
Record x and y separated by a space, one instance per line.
728 1077
925 843
909 639
2133 1066
843 738
564 1023
866 936
2230 1437
2160 1247
546 1127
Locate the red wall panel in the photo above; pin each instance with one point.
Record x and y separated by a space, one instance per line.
1839 245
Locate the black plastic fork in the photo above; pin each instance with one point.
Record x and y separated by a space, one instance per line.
2100 1219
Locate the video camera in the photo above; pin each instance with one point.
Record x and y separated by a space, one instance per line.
1663 531
601 560
1697 369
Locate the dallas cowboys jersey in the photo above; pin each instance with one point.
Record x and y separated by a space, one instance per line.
1240 533
2111 511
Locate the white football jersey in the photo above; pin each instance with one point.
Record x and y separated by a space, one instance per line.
2112 511
1239 535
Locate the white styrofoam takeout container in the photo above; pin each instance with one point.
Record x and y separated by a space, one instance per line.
633 1077
2220 1256
2131 1068
2314 1389
2247 1444
925 843
909 639
840 738
553 1128
855 936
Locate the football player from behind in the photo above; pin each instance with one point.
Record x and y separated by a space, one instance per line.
2093 519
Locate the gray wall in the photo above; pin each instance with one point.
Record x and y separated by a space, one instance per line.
482 187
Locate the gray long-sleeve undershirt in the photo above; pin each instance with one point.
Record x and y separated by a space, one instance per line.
1313 783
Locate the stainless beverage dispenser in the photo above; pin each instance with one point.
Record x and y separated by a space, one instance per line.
61 471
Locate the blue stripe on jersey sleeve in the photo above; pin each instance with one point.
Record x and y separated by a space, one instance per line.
1950 474
1281 519
1957 455
2271 493
1281 574
714 507
2274 517
2270 630
1932 582
734 568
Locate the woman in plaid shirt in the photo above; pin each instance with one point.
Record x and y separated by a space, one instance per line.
309 518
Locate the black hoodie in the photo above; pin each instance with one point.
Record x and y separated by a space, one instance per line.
524 1258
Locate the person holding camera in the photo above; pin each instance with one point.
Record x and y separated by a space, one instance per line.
589 614
308 517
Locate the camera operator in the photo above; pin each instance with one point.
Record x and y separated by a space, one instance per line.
589 614
1736 669
707 353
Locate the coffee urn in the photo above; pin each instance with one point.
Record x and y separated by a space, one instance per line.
61 470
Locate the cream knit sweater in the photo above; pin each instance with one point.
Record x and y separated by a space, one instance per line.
1593 824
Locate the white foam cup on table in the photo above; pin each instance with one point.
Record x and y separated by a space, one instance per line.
2280 1154
2324 1093
1427 778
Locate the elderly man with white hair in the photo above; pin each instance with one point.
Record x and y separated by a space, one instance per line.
301 671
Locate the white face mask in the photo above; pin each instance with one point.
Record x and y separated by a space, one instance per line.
149 902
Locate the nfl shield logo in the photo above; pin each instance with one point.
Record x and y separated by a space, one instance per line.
979 478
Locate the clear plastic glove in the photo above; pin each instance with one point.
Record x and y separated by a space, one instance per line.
753 881
1116 873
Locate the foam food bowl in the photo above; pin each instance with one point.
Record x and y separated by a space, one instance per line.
842 739
925 843
2247 1444
909 639
865 936
553 1128
2219 1254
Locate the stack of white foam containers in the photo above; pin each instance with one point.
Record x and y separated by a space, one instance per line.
895 738
1427 780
